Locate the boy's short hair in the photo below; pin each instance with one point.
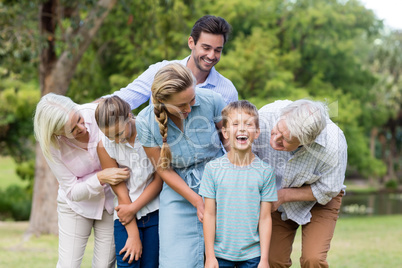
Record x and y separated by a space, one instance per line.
241 105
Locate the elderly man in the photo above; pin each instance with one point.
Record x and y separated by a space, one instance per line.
309 154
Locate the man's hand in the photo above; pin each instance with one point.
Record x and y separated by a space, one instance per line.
281 197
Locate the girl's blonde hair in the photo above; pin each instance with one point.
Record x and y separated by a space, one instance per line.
111 111
169 80
51 115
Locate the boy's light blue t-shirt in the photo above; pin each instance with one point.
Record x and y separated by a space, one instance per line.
238 192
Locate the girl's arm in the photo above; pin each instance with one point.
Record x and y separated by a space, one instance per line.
209 226
150 193
133 246
265 230
171 178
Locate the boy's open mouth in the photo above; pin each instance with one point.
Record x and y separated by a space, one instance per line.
241 138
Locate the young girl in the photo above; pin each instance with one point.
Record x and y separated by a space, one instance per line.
180 134
138 197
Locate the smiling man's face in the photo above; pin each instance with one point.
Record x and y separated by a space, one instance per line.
207 52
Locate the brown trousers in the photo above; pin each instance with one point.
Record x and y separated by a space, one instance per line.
316 236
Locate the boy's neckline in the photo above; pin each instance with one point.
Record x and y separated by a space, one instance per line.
240 160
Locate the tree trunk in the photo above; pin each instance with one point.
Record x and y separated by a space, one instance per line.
393 152
55 74
43 218
373 136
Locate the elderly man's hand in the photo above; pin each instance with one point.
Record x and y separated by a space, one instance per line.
281 200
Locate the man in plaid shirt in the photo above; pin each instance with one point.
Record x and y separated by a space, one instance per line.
309 154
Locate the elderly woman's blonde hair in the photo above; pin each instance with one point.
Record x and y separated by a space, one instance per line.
51 115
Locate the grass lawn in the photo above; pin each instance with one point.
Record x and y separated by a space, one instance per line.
363 242
358 242
37 252
8 176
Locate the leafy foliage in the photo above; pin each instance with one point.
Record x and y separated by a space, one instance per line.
19 39
15 203
332 50
17 103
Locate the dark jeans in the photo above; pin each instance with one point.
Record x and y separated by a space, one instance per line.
149 235
252 263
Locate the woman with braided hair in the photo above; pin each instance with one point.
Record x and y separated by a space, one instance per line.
180 134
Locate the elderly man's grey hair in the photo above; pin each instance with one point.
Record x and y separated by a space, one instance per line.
305 119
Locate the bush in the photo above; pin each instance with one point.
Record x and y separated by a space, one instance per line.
391 185
15 203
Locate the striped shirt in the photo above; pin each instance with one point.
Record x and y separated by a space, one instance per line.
139 91
321 165
238 192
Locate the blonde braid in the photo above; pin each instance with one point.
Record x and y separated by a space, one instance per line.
169 80
162 119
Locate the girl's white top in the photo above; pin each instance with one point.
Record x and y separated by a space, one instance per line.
142 171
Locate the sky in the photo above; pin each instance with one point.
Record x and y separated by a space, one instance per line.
388 10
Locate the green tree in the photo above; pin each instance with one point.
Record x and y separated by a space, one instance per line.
19 89
306 49
385 102
135 35
17 103
278 50
66 29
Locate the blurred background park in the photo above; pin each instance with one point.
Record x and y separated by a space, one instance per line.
338 51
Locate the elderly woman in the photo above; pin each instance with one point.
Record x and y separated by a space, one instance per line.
68 136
